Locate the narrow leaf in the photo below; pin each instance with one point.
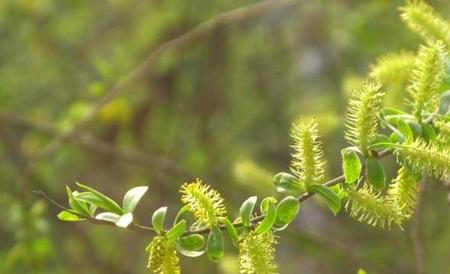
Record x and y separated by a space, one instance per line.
158 219
269 218
107 203
350 165
330 197
69 217
132 197
215 245
246 210
194 242
287 210
285 182
108 216
375 173
176 231
231 231
125 220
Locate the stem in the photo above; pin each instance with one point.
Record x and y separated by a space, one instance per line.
254 220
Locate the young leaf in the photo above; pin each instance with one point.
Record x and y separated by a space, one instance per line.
405 129
176 231
284 182
108 216
350 165
246 210
75 204
270 211
215 245
69 216
132 197
125 220
287 210
106 202
188 253
428 132
375 173
191 245
231 231
330 197
158 219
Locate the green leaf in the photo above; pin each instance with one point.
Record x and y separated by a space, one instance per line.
106 202
125 220
246 210
76 204
416 128
191 245
428 132
158 219
68 216
287 210
330 197
270 211
444 103
361 271
176 231
231 231
350 165
381 142
375 173
215 245
180 213
108 217
265 203
285 182
188 253
405 130
132 197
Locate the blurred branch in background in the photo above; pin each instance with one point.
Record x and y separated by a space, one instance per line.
95 145
179 42
416 230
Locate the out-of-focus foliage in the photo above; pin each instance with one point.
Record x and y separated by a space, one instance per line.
200 112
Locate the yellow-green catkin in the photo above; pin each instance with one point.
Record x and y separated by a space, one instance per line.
308 158
163 258
426 79
421 18
205 203
257 253
362 115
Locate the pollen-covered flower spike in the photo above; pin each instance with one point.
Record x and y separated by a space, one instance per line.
421 18
308 159
365 205
431 158
163 258
205 203
403 192
257 253
362 115
427 78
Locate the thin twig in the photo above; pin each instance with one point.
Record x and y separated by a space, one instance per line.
254 220
132 226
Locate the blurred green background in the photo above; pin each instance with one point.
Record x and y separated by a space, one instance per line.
219 108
